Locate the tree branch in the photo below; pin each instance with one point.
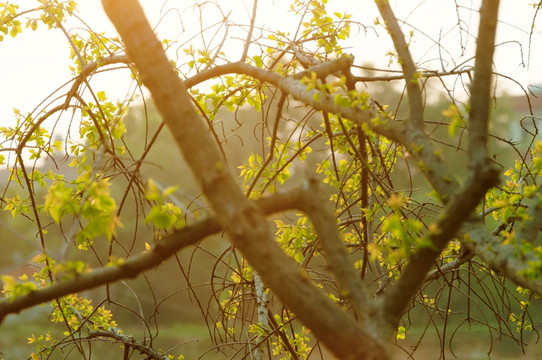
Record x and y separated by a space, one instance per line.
424 74
140 263
457 211
87 69
250 30
529 228
317 207
412 135
501 257
481 84
292 86
128 341
449 267
415 103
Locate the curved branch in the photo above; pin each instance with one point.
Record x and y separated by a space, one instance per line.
128 342
89 68
85 72
314 98
274 137
321 70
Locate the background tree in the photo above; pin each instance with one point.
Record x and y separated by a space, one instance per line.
357 253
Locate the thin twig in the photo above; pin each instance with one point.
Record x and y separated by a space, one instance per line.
250 30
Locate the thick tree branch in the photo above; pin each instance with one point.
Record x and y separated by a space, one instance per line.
415 103
140 263
502 258
321 70
475 236
128 342
481 84
477 239
316 205
457 211
244 222
413 135
429 161
292 86
529 228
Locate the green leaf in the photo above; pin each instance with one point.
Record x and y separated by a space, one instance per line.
170 190
159 219
59 201
342 100
456 120
258 61
101 95
152 193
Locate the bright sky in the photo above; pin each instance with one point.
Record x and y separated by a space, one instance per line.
36 63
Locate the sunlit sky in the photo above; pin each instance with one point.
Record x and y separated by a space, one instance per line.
34 64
